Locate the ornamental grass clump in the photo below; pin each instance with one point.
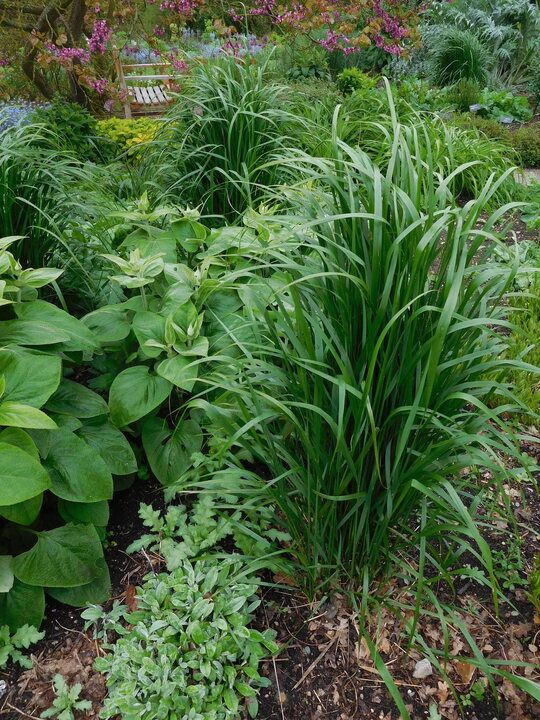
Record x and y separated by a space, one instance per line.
224 138
367 400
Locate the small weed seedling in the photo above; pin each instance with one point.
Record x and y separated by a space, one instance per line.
10 645
66 700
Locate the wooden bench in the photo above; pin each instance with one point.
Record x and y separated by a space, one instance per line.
143 100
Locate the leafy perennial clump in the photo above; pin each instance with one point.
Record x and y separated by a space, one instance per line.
189 654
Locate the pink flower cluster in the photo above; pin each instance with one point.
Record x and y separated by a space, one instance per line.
101 34
66 55
4 61
100 85
182 7
178 64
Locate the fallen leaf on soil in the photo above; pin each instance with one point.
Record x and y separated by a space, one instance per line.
131 601
465 671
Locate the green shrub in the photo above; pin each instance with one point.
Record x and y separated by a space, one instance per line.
352 79
524 343
59 452
526 142
72 125
421 96
502 105
464 94
459 55
298 72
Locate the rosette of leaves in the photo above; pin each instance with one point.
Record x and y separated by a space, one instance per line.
188 293
58 453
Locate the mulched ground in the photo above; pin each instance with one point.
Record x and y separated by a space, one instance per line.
323 672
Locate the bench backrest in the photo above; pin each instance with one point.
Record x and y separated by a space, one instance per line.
124 78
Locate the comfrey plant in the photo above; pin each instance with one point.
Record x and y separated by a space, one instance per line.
189 654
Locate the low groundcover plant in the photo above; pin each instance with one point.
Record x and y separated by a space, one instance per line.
188 653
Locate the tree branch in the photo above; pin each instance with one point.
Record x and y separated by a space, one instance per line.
15 25
24 9
45 22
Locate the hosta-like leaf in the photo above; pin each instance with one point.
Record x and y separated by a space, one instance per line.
95 592
64 557
77 471
76 334
23 513
6 574
31 376
149 326
95 513
72 398
21 476
109 324
111 444
22 605
14 414
168 451
134 393
180 371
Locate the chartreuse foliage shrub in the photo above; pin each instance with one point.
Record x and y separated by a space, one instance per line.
125 134
58 453
352 79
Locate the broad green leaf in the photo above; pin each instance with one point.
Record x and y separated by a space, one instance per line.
64 557
109 324
134 393
75 399
31 376
23 513
151 241
233 239
95 592
79 337
77 471
176 295
22 605
38 277
21 476
6 574
149 326
169 452
14 414
31 332
180 371
21 439
96 513
231 699
112 445
189 234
